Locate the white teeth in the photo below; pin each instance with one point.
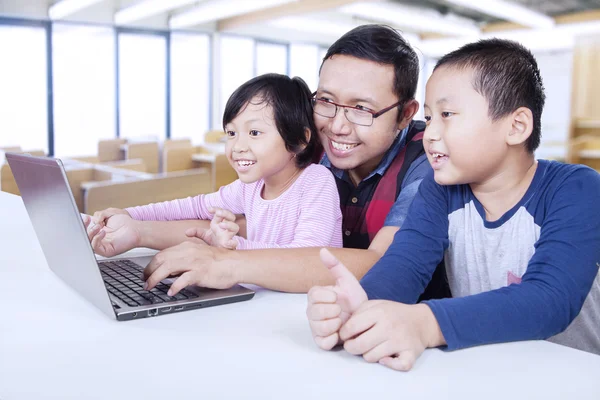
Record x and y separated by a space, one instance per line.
245 163
343 146
437 155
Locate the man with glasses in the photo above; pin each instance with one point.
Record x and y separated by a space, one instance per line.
363 111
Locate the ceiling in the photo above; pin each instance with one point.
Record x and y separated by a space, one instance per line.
322 21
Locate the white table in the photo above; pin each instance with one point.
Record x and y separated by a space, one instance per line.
55 345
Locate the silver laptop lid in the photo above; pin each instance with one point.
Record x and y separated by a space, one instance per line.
57 223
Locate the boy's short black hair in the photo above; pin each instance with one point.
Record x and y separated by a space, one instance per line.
384 45
292 110
507 75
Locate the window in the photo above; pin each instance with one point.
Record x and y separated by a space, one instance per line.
24 88
305 63
237 67
190 86
556 68
142 85
84 88
271 57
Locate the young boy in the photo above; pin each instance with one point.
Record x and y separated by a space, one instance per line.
520 237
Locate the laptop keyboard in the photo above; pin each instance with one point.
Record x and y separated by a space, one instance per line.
123 279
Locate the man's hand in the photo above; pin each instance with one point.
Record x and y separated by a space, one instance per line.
391 333
112 235
329 307
193 263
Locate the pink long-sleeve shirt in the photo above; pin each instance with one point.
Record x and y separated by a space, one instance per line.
307 214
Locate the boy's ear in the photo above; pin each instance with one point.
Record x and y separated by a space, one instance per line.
521 126
408 112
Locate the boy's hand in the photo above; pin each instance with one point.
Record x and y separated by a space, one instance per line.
329 307
116 234
391 333
222 230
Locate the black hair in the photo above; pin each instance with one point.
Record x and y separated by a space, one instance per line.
507 75
384 45
292 111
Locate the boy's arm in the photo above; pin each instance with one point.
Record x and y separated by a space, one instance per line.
418 170
557 281
406 268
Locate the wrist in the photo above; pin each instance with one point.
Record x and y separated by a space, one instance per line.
230 261
433 333
142 234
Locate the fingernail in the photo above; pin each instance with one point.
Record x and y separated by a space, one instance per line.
145 285
170 293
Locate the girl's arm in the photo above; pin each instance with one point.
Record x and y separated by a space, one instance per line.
192 208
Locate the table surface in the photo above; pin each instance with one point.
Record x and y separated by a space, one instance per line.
56 345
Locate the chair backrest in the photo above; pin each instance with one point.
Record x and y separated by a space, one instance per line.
178 159
135 191
215 136
146 151
110 150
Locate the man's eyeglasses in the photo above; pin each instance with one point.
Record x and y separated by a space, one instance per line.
358 116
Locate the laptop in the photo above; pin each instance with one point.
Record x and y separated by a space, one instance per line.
115 286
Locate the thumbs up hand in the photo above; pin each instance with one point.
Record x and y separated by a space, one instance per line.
329 307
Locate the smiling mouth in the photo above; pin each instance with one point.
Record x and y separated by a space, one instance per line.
245 163
437 156
343 146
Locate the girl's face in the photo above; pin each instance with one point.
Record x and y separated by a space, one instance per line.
255 148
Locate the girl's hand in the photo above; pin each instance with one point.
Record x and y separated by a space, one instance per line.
223 229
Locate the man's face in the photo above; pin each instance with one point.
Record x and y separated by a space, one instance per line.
354 82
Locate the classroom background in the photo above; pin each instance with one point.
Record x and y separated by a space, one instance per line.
130 93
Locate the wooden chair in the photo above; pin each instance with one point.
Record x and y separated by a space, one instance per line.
110 150
215 136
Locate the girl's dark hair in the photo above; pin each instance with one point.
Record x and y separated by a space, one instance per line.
290 100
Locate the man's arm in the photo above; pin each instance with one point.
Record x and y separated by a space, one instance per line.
296 270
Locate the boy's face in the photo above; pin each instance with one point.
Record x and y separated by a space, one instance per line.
352 81
463 145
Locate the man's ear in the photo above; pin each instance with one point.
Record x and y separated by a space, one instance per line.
521 127
408 112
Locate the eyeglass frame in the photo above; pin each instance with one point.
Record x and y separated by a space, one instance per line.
313 99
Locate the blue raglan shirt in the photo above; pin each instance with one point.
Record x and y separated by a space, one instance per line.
532 274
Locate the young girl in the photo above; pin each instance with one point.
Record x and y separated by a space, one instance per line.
287 200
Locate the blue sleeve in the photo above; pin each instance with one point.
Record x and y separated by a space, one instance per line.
408 264
410 185
557 281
